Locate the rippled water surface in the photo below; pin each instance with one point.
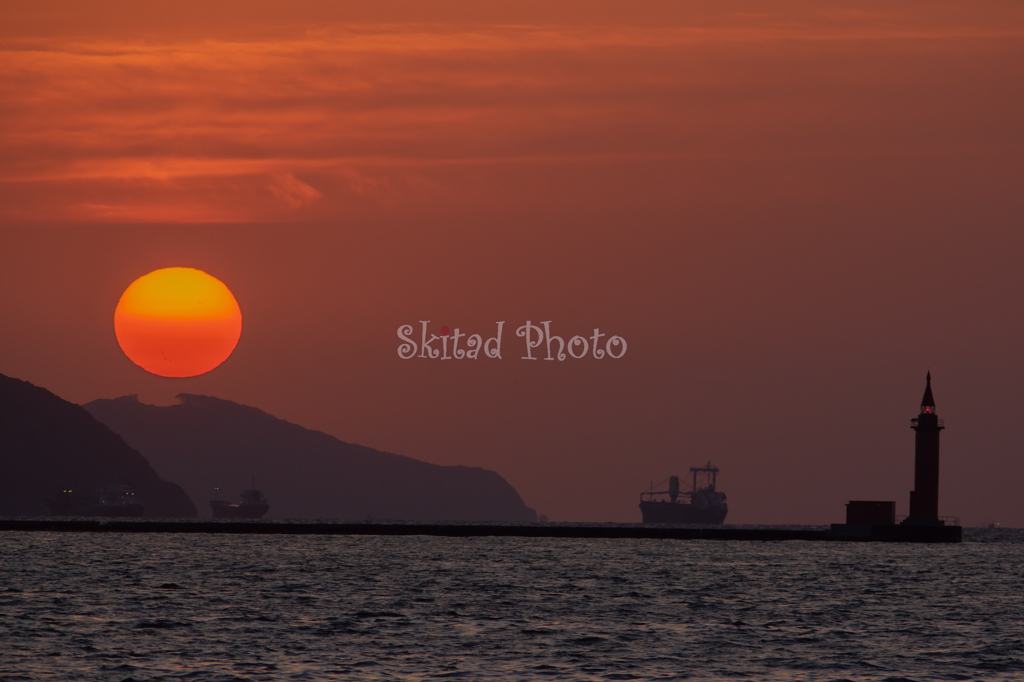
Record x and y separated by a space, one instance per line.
248 607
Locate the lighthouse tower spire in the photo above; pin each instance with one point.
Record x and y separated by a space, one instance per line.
924 498
927 401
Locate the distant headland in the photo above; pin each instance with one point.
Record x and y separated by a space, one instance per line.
172 458
205 442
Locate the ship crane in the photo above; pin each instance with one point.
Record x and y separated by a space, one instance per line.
672 492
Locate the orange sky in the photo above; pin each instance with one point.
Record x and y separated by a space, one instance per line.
789 210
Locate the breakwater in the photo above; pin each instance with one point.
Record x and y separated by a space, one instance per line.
839 533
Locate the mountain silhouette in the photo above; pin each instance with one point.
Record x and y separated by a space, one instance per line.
204 442
48 444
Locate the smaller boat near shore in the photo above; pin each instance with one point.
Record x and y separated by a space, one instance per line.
114 501
118 501
252 506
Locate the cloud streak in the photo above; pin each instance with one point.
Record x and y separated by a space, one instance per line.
294 127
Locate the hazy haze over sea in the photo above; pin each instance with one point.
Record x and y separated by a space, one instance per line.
249 607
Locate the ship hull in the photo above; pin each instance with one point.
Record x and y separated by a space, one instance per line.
679 513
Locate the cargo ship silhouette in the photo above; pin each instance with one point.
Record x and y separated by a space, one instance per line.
705 505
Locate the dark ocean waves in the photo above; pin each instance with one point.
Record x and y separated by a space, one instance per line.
243 607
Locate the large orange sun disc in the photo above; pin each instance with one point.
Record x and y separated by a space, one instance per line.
177 322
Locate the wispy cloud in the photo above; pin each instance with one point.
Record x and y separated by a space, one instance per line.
288 128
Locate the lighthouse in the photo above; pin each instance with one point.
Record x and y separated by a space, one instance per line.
924 498
871 520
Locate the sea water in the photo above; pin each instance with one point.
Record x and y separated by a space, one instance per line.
285 607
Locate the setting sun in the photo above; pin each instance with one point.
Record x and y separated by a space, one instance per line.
177 322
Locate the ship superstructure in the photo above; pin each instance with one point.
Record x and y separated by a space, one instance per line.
703 504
